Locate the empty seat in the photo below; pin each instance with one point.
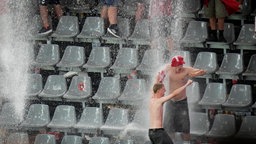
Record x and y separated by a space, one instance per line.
90 121
99 140
199 124
134 92
67 29
247 128
116 121
214 96
125 141
45 139
71 139
37 118
231 66
126 60
108 90
80 88
55 87
245 36
193 96
9 119
184 54
17 138
35 84
223 126
206 61
141 33
93 28
48 56
240 97
250 73
64 118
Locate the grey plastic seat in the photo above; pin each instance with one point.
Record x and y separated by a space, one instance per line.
231 66
108 90
141 33
223 126
45 139
99 59
240 97
140 124
247 128
134 92
184 54
207 61
54 88
64 118
67 29
48 56
250 73
196 33
71 139
125 141
90 121
245 36
73 58
193 96
99 140
93 28
37 118
8 117
80 88
126 60
116 121
151 61
214 96
191 6
35 84
17 138
199 124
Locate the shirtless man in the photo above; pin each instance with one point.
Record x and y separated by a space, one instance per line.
157 134
176 118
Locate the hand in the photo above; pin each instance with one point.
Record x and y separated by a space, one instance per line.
160 76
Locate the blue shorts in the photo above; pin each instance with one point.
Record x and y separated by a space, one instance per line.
109 2
46 2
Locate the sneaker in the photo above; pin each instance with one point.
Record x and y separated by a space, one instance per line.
113 31
44 30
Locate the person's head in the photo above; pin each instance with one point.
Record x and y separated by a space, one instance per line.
177 63
159 88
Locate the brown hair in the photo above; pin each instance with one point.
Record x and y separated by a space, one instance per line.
157 86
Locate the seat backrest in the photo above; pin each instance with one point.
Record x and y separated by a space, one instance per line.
229 32
64 114
100 56
193 94
124 26
109 87
8 116
93 27
45 139
240 94
193 6
55 85
199 123
233 63
48 55
38 114
35 84
141 118
252 64
248 126
141 30
196 30
74 56
68 25
92 116
206 61
215 93
18 138
99 140
246 34
71 139
117 117
80 86
127 58
135 89
152 58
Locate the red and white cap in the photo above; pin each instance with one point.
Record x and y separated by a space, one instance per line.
177 61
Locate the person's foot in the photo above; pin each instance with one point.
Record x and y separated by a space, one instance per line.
212 38
45 31
222 39
113 29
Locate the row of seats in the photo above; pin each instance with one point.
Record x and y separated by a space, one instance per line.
65 120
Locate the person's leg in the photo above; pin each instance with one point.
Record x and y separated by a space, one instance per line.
58 11
221 29
139 11
210 13
221 13
46 29
112 17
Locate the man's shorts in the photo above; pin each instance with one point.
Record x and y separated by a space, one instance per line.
109 2
159 136
215 9
46 2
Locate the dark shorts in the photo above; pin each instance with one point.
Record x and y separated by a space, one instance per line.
46 2
159 136
176 117
109 2
215 9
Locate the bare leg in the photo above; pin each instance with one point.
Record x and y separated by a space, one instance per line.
213 23
139 11
58 10
104 15
112 15
44 15
221 23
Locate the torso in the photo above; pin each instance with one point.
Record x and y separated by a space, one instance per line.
156 114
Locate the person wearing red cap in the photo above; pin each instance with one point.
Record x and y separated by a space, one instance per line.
176 118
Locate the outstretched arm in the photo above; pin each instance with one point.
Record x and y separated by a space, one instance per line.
192 72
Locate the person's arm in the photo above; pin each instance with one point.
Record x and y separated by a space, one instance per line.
192 72
175 92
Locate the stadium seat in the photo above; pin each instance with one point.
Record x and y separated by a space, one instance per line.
223 126
247 128
54 88
71 139
8 117
199 124
141 33
48 56
93 28
64 119
90 121
73 59
17 138
231 66
125 141
45 139
250 73
35 84
214 96
134 92
116 121
191 6
240 97
37 118
80 88
67 29
246 35
184 54
108 90
126 60
99 140
194 96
